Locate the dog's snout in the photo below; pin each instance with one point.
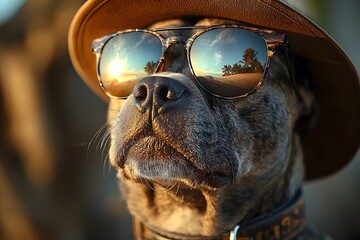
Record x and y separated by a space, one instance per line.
158 93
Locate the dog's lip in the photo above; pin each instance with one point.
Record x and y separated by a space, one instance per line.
140 161
149 135
151 147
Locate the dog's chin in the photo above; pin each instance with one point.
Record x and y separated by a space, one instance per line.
153 160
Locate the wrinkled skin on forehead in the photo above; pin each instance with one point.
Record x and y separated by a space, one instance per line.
203 163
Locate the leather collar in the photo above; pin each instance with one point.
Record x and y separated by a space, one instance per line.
285 222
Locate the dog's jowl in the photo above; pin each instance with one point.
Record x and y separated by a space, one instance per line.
215 124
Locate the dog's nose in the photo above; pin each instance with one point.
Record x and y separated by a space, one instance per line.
158 93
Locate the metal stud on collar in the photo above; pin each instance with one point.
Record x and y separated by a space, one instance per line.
233 233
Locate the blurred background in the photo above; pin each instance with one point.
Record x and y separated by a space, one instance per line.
54 180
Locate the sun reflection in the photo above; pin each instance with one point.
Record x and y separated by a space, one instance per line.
115 69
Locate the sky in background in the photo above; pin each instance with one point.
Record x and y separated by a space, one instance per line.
8 8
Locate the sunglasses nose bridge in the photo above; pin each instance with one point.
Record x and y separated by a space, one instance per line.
175 40
174 57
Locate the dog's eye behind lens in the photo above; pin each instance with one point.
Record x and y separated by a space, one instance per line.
125 59
229 62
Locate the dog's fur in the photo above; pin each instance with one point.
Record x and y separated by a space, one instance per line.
195 164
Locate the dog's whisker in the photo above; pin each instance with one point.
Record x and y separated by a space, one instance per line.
142 181
169 188
104 146
105 139
105 160
104 131
151 187
96 136
103 143
102 138
178 188
166 187
113 109
107 133
147 183
173 186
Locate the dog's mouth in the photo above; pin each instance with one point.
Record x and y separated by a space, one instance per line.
148 157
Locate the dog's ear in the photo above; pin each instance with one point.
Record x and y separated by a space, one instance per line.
308 105
300 82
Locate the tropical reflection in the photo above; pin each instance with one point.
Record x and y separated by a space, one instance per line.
150 67
239 78
248 64
126 58
229 62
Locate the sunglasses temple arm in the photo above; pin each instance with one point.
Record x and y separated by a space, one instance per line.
292 72
274 43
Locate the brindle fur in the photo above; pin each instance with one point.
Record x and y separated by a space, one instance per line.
192 163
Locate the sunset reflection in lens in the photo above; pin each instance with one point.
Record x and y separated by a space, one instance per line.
127 58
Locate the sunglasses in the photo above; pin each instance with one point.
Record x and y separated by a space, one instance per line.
227 61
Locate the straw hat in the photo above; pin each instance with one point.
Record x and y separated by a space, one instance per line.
336 136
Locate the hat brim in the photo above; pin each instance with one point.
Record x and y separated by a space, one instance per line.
336 136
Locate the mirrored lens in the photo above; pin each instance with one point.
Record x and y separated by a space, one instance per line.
229 62
127 58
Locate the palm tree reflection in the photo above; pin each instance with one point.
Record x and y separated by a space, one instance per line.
248 64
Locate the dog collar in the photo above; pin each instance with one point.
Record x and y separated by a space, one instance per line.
285 222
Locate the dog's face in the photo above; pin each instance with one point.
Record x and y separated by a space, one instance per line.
170 132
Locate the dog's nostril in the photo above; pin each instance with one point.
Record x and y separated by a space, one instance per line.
155 92
140 92
167 94
164 94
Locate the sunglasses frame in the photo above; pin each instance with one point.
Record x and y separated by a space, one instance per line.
273 41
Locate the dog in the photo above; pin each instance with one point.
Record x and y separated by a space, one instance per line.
199 154
194 165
